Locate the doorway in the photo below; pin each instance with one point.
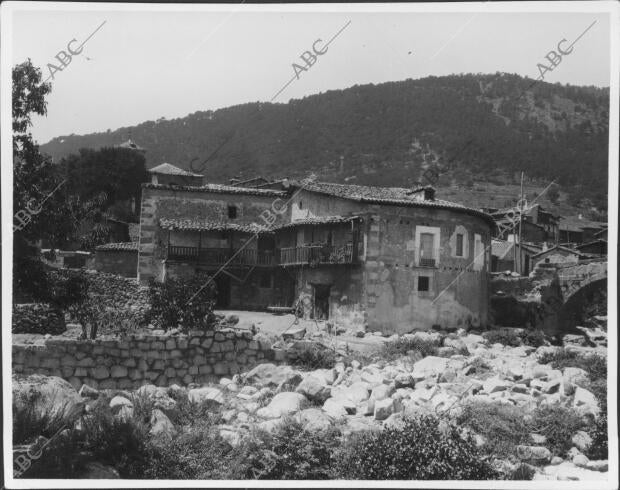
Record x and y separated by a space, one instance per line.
223 291
321 302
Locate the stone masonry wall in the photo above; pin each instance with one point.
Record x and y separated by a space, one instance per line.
163 360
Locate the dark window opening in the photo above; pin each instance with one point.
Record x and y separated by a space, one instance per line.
232 212
423 283
459 245
265 280
301 204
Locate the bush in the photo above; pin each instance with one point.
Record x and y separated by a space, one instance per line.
289 453
513 338
419 450
187 303
522 472
197 454
599 448
400 347
504 337
506 426
68 290
594 364
558 425
315 356
503 426
98 319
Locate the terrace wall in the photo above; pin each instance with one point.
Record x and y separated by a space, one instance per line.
130 362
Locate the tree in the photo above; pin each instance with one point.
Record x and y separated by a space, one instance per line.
118 172
554 193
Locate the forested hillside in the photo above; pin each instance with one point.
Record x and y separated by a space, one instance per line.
474 127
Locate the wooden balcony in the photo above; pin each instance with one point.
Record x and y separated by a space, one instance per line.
318 254
221 256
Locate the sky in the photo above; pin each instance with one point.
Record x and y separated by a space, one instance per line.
144 65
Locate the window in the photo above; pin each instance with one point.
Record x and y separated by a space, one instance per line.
459 245
423 283
301 205
232 212
426 249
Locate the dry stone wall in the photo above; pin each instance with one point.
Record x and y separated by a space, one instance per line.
127 363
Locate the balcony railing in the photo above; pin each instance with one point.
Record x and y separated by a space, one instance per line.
317 254
426 262
221 256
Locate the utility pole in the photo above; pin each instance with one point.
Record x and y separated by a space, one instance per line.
520 221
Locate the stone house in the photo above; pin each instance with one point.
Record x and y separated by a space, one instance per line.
394 259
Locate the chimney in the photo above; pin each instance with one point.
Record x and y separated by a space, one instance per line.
429 194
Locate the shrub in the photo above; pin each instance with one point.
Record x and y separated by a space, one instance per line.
558 425
187 303
594 364
522 472
400 347
503 426
200 454
98 319
514 338
315 356
504 337
68 290
419 450
29 423
598 432
289 453
506 426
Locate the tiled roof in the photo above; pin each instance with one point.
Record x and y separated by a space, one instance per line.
573 223
559 248
118 247
206 225
169 169
389 195
219 189
319 220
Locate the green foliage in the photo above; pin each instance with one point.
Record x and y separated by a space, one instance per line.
402 345
522 472
515 338
594 364
289 453
196 454
98 319
315 356
374 126
505 426
187 303
558 425
29 422
504 337
118 172
420 450
31 282
67 290
598 432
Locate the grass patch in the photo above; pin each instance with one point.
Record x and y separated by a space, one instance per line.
594 364
505 426
400 347
420 450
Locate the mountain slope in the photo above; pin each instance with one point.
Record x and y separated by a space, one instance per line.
480 126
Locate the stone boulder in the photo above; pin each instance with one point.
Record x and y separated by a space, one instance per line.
537 454
585 402
270 375
314 388
205 394
384 408
582 440
356 392
161 427
285 403
49 395
314 419
429 366
339 407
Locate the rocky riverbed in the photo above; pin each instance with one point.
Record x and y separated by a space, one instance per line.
371 394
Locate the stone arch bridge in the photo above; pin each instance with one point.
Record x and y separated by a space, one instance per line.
573 288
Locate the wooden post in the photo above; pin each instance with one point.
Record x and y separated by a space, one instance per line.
520 270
